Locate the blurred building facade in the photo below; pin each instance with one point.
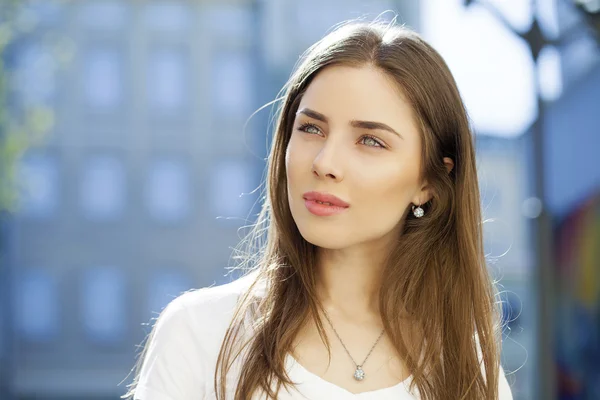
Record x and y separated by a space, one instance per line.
121 211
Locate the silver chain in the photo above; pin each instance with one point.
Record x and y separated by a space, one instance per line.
345 348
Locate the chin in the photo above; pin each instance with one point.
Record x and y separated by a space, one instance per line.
319 236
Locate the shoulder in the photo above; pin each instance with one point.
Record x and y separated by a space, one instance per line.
212 300
182 350
203 314
213 303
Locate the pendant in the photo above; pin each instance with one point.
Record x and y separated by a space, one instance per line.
359 374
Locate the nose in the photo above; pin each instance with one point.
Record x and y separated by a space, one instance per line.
327 164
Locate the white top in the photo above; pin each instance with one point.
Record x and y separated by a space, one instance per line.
182 354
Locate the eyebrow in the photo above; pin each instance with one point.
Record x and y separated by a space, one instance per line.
357 124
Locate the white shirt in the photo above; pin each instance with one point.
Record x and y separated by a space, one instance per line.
183 350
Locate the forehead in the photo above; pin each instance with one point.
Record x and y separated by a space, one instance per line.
365 93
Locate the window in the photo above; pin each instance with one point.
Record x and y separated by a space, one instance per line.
103 188
168 190
104 304
36 305
102 79
233 90
39 193
230 187
35 77
168 80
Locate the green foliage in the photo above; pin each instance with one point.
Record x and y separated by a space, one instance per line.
18 130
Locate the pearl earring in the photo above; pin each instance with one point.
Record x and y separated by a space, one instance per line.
418 212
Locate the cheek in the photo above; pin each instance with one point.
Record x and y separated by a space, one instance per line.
388 178
293 170
296 160
290 164
385 190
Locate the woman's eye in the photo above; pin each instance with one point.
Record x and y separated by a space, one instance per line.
367 140
371 141
309 128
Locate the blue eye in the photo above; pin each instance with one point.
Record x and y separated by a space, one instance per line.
371 141
309 128
367 140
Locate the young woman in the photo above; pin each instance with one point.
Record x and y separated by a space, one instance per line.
371 281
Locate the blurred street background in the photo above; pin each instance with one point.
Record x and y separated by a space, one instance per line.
129 162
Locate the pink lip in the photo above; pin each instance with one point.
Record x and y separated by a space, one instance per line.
311 202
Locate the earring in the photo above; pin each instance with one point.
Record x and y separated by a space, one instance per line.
418 212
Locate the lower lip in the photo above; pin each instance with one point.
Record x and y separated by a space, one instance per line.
323 210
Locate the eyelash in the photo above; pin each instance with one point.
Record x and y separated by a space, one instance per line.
307 125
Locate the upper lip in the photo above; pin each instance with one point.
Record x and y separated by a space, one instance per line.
325 198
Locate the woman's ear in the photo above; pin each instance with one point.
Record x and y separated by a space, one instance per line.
449 163
425 194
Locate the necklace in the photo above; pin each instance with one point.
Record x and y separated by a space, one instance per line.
359 373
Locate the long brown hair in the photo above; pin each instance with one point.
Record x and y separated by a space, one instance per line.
436 276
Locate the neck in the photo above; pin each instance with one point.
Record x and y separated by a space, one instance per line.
349 280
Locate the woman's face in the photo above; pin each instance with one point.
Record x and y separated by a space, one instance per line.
354 137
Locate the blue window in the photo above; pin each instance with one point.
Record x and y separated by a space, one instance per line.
39 178
103 79
233 91
168 81
168 190
104 304
36 305
35 74
103 186
230 187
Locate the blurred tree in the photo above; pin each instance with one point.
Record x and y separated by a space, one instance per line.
20 126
